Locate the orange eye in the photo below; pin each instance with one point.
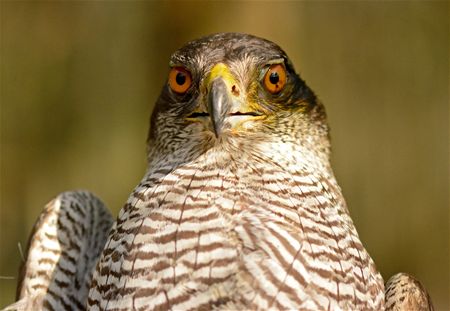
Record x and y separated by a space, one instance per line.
275 78
179 80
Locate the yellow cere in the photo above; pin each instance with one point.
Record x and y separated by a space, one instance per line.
221 70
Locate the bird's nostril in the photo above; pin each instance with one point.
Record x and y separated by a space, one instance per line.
235 90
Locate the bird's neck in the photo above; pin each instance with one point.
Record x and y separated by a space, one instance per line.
244 160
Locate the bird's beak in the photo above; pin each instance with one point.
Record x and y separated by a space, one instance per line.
218 104
219 97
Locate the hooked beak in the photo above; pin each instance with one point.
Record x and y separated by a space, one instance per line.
219 104
225 108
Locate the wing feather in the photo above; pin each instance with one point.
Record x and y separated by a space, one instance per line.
63 250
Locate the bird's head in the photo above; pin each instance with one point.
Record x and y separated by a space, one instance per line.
234 92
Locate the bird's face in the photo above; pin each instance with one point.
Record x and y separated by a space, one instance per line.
232 90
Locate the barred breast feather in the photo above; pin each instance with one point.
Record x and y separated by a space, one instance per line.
259 234
239 208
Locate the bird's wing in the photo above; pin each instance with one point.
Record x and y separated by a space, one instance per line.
63 250
405 293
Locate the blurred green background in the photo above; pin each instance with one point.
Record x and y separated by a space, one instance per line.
79 79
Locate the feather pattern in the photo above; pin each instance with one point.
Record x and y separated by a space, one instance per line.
64 248
239 208
266 231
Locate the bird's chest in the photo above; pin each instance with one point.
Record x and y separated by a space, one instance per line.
194 219
257 240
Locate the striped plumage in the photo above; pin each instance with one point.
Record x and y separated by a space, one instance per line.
405 293
64 247
250 219
238 209
202 237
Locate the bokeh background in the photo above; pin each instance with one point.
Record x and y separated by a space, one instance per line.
79 79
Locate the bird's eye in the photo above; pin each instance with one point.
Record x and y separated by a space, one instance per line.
179 80
275 78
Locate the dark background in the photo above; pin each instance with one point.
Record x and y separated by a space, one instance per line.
79 79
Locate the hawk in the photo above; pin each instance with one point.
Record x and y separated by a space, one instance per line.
239 208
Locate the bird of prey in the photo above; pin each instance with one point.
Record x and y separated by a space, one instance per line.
239 208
